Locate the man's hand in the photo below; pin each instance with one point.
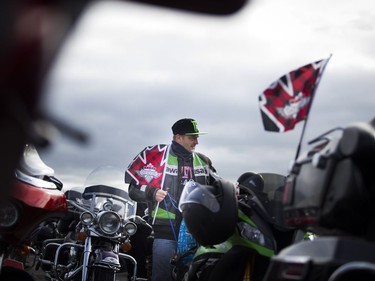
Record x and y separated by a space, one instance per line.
160 195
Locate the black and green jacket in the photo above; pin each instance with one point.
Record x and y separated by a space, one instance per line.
168 167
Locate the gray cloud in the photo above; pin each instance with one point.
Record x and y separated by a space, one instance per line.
129 72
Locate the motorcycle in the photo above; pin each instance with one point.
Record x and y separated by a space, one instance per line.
35 199
99 225
330 191
238 246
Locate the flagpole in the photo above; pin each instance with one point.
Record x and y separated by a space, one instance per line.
310 105
301 137
156 210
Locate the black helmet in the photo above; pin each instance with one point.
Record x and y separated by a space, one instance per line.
266 191
209 211
252 181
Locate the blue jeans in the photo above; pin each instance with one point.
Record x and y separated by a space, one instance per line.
162 252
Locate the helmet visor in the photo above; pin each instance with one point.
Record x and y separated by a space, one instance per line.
196 193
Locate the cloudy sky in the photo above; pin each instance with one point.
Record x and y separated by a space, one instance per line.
129 71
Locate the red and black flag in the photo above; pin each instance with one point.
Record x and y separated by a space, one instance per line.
147 168
288 100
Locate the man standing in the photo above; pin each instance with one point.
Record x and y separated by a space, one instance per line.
157 176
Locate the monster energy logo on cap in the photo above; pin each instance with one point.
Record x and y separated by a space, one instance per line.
186 126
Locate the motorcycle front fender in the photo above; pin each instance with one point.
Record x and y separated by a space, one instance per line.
106 258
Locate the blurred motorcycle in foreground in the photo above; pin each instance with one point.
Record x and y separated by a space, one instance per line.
331 192
99 225
237 232
35 199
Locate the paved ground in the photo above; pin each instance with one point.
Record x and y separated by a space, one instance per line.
39 275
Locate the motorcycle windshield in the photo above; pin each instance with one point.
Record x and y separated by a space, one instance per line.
267 192
105 189
271 197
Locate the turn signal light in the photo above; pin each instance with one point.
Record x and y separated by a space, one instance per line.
25 250
81 236
126 247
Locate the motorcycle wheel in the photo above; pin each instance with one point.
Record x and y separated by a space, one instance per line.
103 274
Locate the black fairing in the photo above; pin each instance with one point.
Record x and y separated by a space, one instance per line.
317 260
331 189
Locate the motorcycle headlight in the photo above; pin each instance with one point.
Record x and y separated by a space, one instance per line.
251 233
87 218
109 222
108 206
130 228
9 215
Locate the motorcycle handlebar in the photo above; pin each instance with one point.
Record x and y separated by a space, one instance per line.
141 221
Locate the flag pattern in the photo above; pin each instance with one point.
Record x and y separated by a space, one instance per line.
147 168
288 100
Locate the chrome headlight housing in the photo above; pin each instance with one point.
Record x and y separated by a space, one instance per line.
108 206
130 228
109 222
87 218
9 214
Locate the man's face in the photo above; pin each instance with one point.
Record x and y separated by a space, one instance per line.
188 142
